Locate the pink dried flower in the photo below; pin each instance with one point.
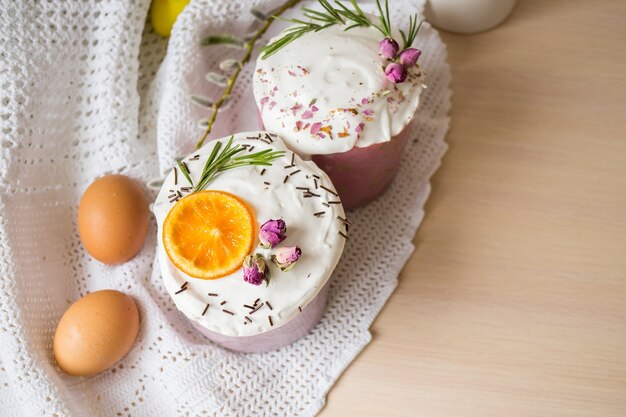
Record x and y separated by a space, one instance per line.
272 232
255 271
286 258
395 73
388 48
409 57
307 114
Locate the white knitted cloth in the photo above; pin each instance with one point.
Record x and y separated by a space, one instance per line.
80 97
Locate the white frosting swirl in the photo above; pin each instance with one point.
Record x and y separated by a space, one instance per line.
326 92
317 236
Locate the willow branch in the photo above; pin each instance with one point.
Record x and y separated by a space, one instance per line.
249 47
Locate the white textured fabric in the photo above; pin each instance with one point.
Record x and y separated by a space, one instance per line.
80 97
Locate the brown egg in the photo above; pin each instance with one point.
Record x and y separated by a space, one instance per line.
113 219
95 332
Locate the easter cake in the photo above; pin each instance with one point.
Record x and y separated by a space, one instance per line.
343 97
249 235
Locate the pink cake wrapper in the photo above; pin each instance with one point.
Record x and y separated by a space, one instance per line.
360 175
281 336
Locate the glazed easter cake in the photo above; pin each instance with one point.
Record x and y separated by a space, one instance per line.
247 254
343 98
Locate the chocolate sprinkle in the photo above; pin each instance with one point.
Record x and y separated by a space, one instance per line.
263 171
266 183
345 221
182 288
248 319
300 308
269 305
228 312
294 172
205 309
329 190
212 294
175 176
319 213
257 308
334 202
344 235
302 188
257 301
223 302
270 319
247 306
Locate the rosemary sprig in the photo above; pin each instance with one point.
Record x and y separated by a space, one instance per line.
183 169
225 158
248 46
340 15
414 27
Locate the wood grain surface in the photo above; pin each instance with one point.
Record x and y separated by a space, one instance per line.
514 302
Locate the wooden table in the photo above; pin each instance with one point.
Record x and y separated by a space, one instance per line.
514 303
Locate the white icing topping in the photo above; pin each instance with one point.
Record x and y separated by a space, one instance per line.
333 79
318 237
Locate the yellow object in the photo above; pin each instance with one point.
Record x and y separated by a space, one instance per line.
208 234
95 332
163 14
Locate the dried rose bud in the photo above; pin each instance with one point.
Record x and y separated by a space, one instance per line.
287 257
409 57
395 73
272 233
255 271
388 48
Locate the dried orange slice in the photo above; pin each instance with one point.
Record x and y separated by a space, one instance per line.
208 234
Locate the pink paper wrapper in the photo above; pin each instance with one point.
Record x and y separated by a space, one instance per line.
360 175
284 335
